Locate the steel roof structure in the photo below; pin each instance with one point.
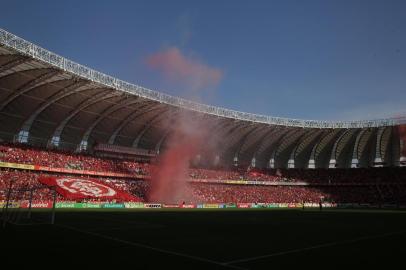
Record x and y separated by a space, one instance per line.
48 100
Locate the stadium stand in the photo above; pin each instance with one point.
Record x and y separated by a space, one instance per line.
26 181
356 190
371 175
63 120
24 154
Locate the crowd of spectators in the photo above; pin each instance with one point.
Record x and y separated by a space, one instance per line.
214 174
23 182
290 185
329 176
313 176
58 159
284 194
219 193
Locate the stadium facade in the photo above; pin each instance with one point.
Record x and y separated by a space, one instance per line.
53 102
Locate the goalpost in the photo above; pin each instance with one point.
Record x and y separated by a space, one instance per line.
22 208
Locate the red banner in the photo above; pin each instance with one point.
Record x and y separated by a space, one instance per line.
170 206
76 188
36 204
188 206
244 205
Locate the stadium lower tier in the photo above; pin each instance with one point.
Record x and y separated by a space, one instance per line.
39 187
19 156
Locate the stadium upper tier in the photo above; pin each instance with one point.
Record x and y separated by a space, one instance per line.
49 100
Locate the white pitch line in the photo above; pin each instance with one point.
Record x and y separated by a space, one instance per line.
359 239
150 247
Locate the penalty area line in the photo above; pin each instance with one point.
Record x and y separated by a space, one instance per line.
330 244
196 258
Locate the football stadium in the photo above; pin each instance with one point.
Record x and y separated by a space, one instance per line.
91 164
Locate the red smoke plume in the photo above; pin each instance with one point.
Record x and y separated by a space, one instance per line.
179 68
169 179
169 182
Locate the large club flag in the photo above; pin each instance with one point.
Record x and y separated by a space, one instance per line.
77 188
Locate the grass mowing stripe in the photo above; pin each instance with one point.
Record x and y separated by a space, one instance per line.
359 239
149 247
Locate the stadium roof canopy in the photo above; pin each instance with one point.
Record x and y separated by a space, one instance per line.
49 100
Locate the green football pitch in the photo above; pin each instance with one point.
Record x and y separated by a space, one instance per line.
210 239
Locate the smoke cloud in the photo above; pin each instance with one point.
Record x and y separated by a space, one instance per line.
169 182
189 133
177 67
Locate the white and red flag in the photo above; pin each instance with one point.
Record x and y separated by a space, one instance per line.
77 188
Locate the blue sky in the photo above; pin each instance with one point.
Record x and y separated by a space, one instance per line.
327 60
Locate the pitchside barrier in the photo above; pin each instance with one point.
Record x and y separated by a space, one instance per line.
17 208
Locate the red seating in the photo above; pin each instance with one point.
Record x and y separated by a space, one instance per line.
373 185
57 159
283 194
